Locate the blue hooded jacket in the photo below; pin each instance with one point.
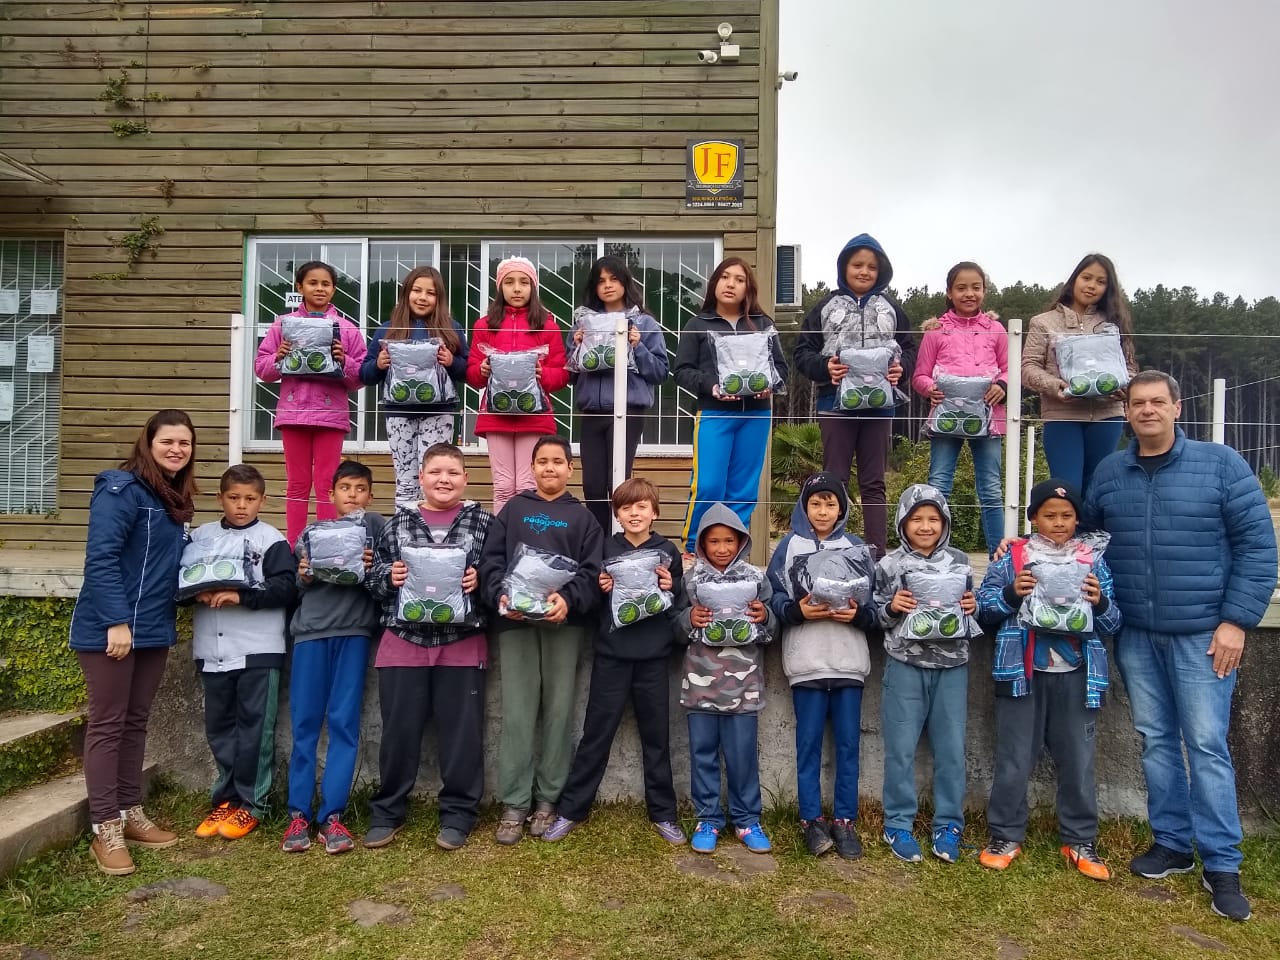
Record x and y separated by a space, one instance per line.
1192 546
882 319
130 567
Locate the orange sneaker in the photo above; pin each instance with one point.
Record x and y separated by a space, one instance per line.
239 824
210 824
1084 857
999 854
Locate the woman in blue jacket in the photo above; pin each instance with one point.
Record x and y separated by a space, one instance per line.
610 288
124 624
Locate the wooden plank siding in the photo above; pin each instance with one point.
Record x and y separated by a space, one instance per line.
456 119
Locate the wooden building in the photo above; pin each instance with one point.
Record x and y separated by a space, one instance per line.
167 164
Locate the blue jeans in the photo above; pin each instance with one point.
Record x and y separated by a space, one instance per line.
916 699
734 734
987 464
844 706
326 683
729 447
1074 449
1177 700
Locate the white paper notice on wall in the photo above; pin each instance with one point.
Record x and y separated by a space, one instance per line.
8 350
292 300
8 302
40 354
44 302
6 401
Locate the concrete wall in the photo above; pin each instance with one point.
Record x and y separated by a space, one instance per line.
177 739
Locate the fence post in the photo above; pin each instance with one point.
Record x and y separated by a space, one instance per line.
235 425
1030 477
1220 411
1013 430
620 367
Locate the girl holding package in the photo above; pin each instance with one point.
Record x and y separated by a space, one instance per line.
516 321
1078 432
421 313
312 413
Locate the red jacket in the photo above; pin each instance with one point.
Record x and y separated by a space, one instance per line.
514 334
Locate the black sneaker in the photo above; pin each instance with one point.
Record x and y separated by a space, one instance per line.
817 836
848 846
1160 862
1228 899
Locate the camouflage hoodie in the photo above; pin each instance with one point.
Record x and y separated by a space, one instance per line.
722 679
929 654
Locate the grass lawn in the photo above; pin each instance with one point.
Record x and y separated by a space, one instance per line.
615 889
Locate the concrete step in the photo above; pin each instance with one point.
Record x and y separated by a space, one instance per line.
46 816
20 726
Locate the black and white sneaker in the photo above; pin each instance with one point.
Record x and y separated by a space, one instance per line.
1228 899
1160 862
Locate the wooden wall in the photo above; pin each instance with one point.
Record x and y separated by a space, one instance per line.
453 118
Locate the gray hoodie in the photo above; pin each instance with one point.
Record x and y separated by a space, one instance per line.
723 679
929 654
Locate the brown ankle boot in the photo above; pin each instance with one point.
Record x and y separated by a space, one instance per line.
109 850
141 832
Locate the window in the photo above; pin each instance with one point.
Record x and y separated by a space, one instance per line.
671 272
30 374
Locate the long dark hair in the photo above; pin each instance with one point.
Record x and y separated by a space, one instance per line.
178 492
617 268
958 269
1114 306
750 303
439 324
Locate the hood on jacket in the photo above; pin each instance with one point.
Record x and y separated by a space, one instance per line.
719 514
918 495
819 483
867 241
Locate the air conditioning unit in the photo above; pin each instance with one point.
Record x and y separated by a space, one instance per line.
787 290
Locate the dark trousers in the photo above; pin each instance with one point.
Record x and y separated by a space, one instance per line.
409 697
240 723
120 695
1052 715
595 456
613 682
867 439
843 705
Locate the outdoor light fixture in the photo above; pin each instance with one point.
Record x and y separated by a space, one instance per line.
786 76
727 51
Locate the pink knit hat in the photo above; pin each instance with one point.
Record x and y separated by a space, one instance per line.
518 265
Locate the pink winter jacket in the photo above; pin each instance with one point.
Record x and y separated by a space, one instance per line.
965 347
313 401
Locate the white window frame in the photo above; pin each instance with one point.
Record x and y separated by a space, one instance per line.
358 445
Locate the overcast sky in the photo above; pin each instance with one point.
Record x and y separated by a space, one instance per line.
1022 134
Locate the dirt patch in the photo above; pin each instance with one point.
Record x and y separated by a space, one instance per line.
824 902
371 913
1157 895
190 888
1199 939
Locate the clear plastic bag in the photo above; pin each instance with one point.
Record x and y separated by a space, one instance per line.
415 375
866 386
513 383
962 412
1057 604
744 363
937 586
334 550
224 562
597 351
635 593
432 592
533 576
1092 364
727 594
311 347
836 576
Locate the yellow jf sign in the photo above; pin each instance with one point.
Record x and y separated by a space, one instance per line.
714 163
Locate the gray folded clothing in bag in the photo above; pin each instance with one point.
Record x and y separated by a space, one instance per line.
310 347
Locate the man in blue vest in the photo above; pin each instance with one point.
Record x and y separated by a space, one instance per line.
1193 556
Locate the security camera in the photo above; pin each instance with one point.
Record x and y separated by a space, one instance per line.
790 74
725 30
708 56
